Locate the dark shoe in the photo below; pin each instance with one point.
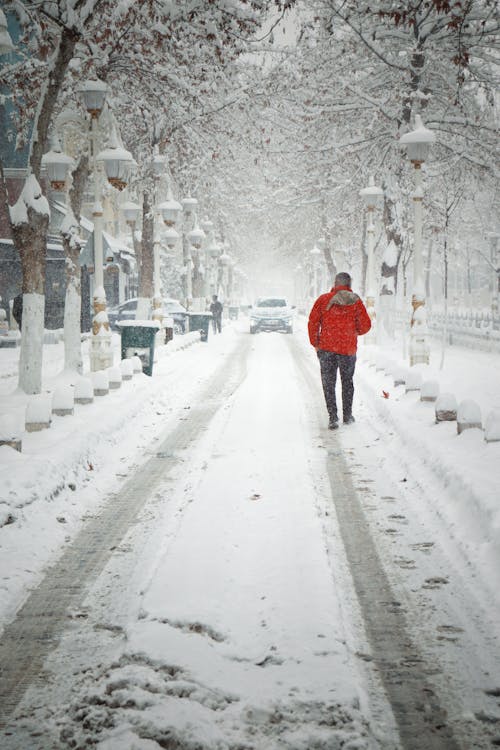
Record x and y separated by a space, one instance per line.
333 424
349 420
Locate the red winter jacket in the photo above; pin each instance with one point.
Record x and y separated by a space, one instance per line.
336 320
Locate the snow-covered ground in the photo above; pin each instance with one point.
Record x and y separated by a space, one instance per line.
228 616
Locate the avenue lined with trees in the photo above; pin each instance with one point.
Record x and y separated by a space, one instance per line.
274 115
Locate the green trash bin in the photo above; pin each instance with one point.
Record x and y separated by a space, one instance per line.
233 312
200 321
138 338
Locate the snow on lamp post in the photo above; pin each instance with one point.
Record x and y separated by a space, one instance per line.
159 163
58 165
225 261
101 356
208 228
131 211
372 197
418 143
196 237
117 162
188 209
315 259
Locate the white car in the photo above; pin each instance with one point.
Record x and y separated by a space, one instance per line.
271 314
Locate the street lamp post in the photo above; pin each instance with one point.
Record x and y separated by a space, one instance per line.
188 208
131 212
208 228
116 161
315 257
418 143
372 197
159 162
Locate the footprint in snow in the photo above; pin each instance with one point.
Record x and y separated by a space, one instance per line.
435 582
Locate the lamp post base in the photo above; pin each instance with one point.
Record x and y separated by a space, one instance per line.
101 354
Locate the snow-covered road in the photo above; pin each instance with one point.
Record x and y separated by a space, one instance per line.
254 580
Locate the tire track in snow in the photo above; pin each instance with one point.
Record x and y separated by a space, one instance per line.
420 718
40 622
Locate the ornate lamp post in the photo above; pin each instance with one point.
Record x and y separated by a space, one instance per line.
418 143
131 211
208 228
58 165
196 237
372 197
116 162
315 260
188 211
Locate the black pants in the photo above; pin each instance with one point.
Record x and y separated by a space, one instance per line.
329 364
217 323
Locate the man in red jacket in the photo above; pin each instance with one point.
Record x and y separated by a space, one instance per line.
336 320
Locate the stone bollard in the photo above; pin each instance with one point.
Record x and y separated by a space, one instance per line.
492 427
10 433
429 390
446 408
136 364
468 416
127 369
400 375
115 378
63 401
38 413
84 391
100 382
413 381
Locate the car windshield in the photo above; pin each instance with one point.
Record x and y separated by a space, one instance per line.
271 302
173 306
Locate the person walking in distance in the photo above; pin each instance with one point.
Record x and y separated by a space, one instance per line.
336 320
216 310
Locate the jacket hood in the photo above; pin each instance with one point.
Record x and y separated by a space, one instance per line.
342 295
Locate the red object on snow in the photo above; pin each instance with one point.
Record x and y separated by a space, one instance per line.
385 394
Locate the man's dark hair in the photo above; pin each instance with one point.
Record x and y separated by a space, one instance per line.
343 279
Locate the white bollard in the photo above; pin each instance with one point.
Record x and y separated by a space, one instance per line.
38 413
127 369
400 374
136 364
63 401
100 381
84 391
10 432
468 416
413 381
492 427
114 377
429 390
446 408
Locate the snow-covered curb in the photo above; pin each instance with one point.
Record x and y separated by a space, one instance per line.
65 472
464 466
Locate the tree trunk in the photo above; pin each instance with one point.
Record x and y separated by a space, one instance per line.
30 233
393 233
146 275
30 239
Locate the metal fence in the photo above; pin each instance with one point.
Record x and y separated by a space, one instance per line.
474 329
